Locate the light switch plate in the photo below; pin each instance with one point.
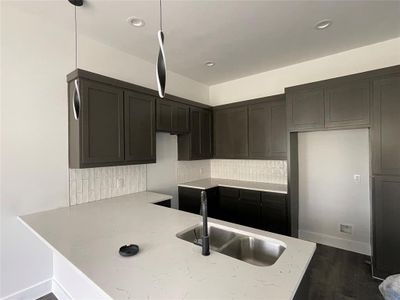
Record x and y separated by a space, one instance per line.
357 178
120 183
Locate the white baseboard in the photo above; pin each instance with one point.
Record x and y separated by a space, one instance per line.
32 292
59 291
333 241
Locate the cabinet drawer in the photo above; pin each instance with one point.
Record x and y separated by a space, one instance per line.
250 196
229 192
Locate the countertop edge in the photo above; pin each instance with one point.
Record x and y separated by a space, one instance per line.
52 248
232 186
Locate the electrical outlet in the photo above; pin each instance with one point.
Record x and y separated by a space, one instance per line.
201 171
346 228
357 178
120 183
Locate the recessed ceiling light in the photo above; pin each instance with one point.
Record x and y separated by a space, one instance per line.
135 21
210 64
321 25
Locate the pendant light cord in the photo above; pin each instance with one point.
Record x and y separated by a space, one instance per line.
76 41
160 16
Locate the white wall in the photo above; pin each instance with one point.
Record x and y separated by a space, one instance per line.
328 195
162 176
35 57
273 82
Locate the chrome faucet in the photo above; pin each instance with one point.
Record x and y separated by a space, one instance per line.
205 240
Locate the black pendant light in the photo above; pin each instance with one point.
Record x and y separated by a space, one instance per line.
76 100
161 68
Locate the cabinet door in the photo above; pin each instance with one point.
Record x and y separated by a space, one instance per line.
231 132
267 130
164 115
228 204
386 226
190 200
221 139
274 213
386 126
249 208
140 139
305 109
180 118
102 124
195 133
206 134
347 104
278 141
259 130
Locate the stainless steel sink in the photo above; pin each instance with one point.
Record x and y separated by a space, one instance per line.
254 251
243 246
218 236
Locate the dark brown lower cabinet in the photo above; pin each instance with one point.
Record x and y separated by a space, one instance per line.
189 200
266 211
386 226
249 212
274 213
228 204
165 203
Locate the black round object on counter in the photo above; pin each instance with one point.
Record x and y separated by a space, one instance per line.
129 250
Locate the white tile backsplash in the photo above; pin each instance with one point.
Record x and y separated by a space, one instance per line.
93 184
271 171
193 170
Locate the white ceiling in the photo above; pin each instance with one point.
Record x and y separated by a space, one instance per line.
242 37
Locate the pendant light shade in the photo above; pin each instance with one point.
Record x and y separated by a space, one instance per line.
76 2
161 67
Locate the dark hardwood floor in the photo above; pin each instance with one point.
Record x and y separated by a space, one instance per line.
338 275
48 297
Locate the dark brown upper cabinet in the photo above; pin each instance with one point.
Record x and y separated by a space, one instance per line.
231 132
386 125
164 115
115 126
386 226
305 109
140 131
117 121
331 104
267 129
180 118
198 143
172 117
348 104
97 137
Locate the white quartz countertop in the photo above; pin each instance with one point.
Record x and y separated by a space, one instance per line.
89 236
208 183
